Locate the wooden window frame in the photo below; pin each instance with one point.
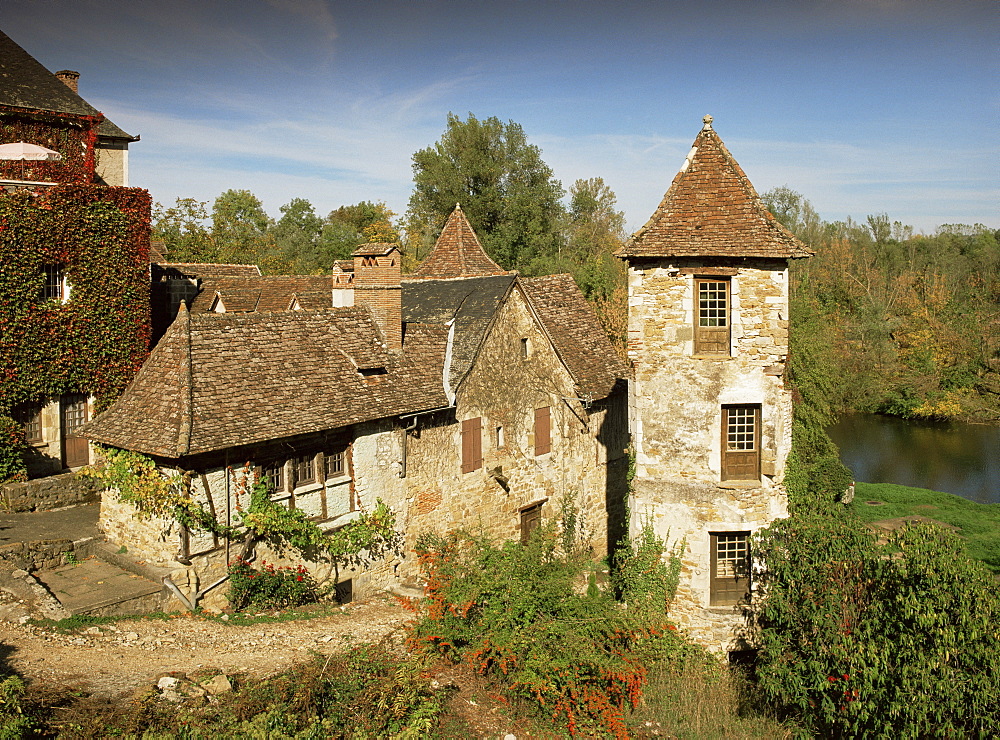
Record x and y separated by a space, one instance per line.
543 431
739 461
274 474
31 420
53 283
303 470
711 337
729 581
335 463
472 444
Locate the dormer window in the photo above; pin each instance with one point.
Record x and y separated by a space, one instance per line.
54 285
368 372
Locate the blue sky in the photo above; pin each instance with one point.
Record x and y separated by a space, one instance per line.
863 106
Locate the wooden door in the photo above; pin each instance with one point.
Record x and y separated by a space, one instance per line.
73 415
741 442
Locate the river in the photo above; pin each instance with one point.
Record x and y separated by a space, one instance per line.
963 459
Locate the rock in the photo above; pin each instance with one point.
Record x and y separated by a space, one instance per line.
166 682
219 684
131 636
93 631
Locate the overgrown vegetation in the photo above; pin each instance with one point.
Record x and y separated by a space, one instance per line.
910 319
270 586
865 639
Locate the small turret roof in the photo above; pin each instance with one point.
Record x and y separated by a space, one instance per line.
457 253
712 210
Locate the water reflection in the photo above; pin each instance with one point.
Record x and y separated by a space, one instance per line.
963 459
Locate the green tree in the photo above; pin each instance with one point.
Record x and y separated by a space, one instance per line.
183 231
505 189
296 237
864 639
240 228
347 227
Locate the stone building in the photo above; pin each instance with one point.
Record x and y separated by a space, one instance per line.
43 109
710 414
463 395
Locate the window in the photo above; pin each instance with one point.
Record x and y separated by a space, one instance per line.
274 475
305 469
531 519
334 464
31 420
730 578
54 287
741 442
711 335
543 431
500 437
525 348
472 444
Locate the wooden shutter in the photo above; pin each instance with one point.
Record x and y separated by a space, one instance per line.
711 321
730 575
543 431
472 444
741 442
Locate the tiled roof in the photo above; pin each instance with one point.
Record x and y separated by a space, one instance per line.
25 83
270 293
471 302
712 210
375 249
203 270
576 333
457 253
220 381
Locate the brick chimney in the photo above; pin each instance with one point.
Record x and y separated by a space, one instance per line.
376 285
69 78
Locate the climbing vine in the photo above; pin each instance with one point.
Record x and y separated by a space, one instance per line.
72 135
95 341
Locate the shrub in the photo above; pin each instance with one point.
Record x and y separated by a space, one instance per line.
270 587
868 639
523 614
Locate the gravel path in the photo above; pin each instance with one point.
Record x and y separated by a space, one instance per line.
132 654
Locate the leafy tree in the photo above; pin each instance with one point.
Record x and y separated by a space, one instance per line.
183 231
505 189
876 640
240 227
347 227
296 238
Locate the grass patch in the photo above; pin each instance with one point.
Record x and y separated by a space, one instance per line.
978 524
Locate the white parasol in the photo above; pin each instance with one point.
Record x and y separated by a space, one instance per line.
23 150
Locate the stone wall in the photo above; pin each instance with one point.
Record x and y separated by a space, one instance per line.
32 556
676 406
53 492
503 389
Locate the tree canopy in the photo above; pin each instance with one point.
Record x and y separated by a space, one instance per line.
508 193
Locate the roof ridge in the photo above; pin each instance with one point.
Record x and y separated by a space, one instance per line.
186 422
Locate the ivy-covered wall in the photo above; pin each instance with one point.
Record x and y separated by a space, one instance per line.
94 342
73 136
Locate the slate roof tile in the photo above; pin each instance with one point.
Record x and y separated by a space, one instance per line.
712 210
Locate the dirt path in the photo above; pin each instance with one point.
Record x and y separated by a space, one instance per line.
131 655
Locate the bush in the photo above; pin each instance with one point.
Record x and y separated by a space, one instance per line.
270 587
864 638
523 614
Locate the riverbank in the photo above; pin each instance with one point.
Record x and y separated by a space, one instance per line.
978 524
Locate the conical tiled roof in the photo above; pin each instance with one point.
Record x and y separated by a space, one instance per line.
457 253
712 210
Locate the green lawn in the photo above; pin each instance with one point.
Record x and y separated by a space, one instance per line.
979 524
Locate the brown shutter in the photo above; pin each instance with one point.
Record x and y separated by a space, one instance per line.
472 444
543 431
531 519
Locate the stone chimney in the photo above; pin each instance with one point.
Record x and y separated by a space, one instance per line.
69 78
376 285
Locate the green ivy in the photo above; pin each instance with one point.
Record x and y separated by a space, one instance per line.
96 341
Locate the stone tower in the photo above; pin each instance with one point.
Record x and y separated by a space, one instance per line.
709 411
